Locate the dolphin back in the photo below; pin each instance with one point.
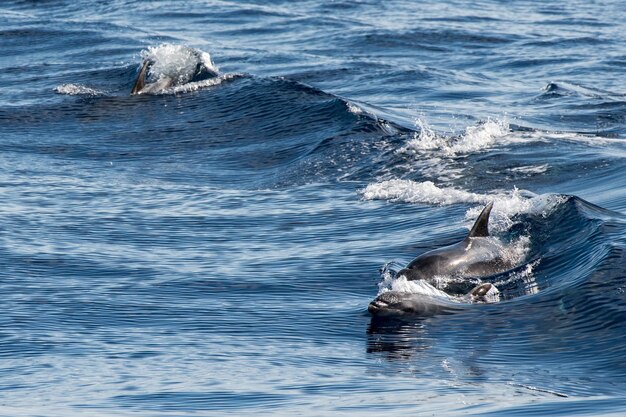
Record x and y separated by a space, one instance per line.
481 227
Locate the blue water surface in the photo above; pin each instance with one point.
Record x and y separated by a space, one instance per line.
212 249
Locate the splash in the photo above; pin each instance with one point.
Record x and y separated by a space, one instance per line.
402 285
77 90
517 202
424 139
487 134
176 62
475 138
353 108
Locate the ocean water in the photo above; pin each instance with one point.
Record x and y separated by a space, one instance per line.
212 249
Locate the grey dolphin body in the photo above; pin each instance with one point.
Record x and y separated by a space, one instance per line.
475 256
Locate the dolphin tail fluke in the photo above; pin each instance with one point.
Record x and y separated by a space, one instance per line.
481 227
141 78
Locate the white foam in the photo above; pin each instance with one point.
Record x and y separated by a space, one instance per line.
409 191
176 62
353 108
422 287
401 284
425 139
475 138
77 89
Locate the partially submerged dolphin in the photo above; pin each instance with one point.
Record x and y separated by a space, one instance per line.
464 263
145 85
476 256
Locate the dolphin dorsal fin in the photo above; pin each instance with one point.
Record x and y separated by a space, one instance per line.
141 78
481 227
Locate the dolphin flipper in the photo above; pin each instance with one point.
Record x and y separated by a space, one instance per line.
481 227
141 78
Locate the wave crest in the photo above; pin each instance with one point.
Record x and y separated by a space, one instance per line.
507 204
475 138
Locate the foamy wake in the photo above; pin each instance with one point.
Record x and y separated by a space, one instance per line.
506 203
475 138
408 191
77 90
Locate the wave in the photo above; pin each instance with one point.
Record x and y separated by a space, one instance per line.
276 132
258 132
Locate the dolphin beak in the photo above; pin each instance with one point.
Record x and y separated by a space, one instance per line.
141 78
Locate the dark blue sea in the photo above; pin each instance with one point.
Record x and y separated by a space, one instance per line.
211 248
